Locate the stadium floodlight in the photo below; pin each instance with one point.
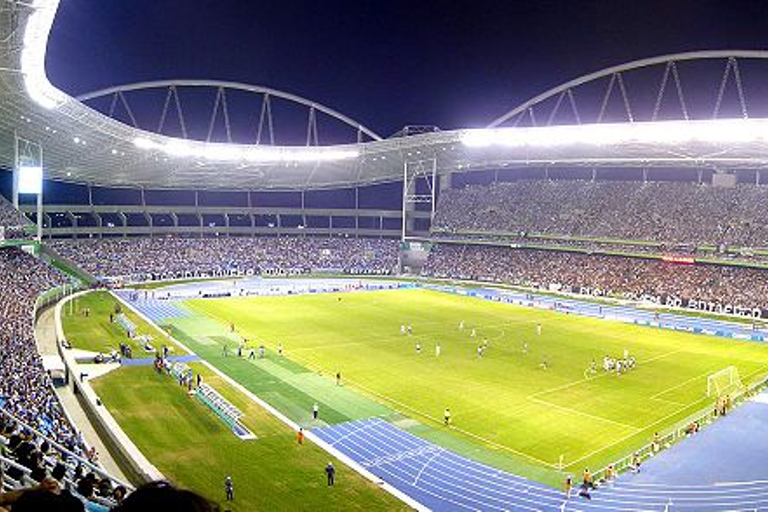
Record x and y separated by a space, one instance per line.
222 152
142 143
30 180
657 132
33 50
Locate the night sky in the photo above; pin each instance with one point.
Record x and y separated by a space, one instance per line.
387 64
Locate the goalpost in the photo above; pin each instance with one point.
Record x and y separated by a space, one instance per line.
724 382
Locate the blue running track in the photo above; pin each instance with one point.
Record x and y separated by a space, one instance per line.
445 481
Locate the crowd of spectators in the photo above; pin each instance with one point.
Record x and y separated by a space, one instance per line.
110 257
25 388
12 222
33 426
613 275
673 213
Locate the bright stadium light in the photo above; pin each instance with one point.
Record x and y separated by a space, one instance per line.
658 132
220 152
30 180
33 55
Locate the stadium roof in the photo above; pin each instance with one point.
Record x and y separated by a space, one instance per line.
85 146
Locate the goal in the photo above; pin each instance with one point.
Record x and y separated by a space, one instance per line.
724 382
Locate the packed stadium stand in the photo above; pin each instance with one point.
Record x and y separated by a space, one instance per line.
617 276
12 221
142 257
37 439
670 213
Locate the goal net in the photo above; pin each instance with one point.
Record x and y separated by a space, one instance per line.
724 382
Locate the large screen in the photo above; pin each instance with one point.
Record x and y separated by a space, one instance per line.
30 180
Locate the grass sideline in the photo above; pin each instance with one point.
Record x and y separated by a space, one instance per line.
503 401
196 450
97 334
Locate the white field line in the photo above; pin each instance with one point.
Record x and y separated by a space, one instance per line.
585 414
622 439
604 374
688 381
435 419
647 427
354 465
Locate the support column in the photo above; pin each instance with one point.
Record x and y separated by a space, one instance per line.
415 172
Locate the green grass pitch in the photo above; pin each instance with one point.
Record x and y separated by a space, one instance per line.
502 402
195 450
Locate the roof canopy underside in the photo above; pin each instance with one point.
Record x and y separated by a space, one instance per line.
84 146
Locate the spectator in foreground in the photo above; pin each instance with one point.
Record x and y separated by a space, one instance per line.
163 497
46 496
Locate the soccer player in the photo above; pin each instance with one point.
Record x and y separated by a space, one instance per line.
480 351
618 368
593 367
224 351
410 329
538 329
418 348
338 378
402 329
525 347
229 488
315 411
437 349
461 325
447 416
544 364
472 334
252 355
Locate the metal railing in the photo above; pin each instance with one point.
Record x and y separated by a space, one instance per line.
681 430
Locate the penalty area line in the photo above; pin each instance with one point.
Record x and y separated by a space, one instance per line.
434 419
581 413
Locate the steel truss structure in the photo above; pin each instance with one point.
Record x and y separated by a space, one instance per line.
566 127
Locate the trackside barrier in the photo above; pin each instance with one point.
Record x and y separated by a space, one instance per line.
130 459
680 431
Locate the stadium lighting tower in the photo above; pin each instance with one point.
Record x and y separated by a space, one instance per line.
419 187
28 175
